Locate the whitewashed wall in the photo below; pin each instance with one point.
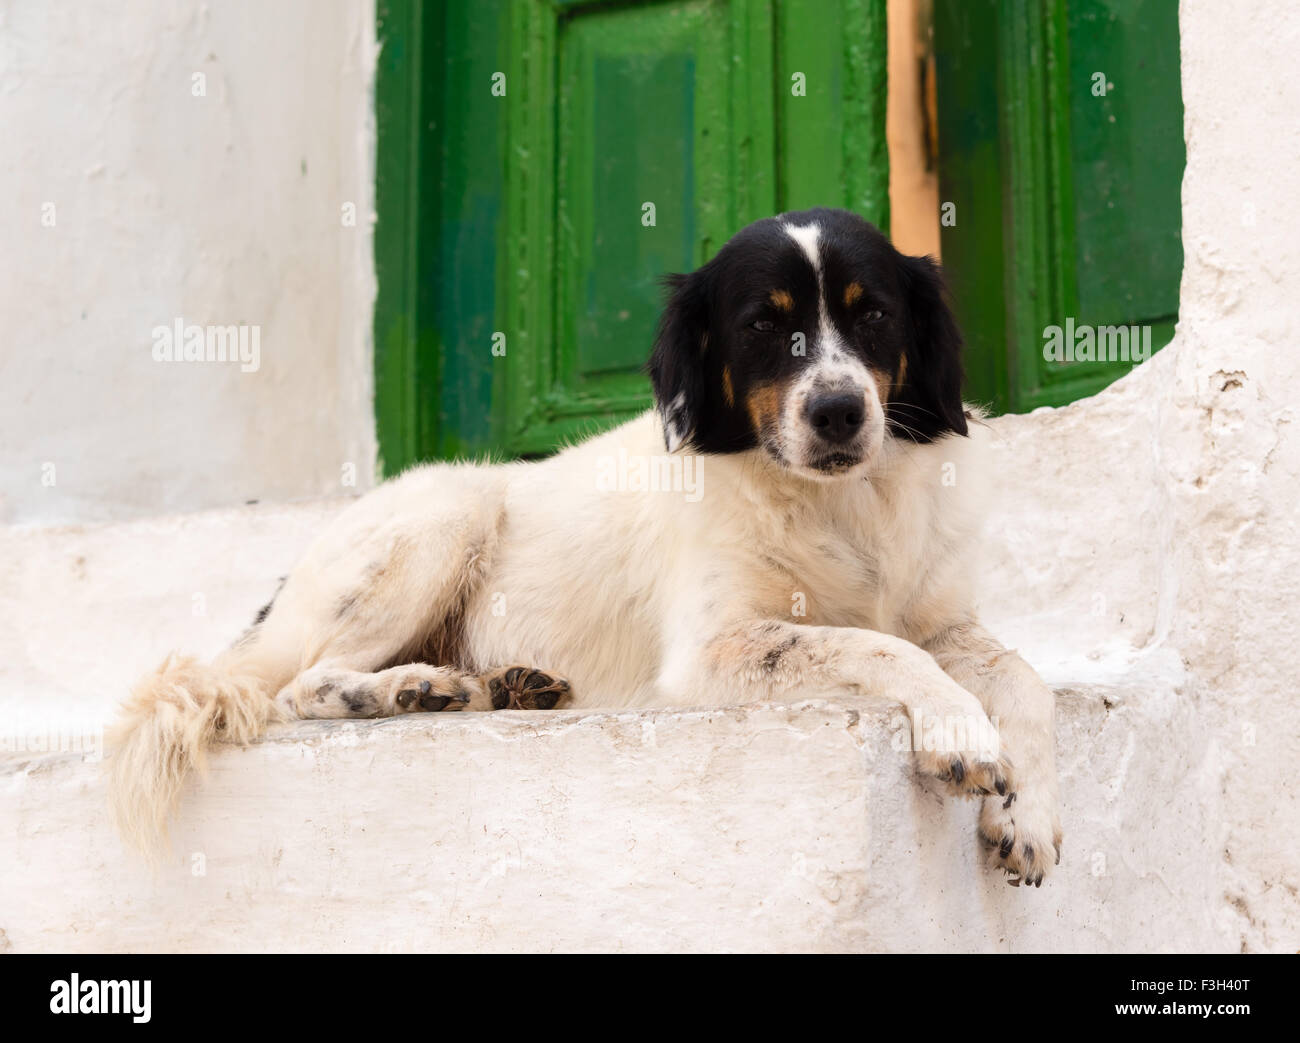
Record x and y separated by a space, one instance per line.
218 209
1172 498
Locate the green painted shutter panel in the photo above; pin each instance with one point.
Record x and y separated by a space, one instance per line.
1127 157
532 209
1067 201
650 109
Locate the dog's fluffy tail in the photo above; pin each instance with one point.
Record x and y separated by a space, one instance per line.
163 732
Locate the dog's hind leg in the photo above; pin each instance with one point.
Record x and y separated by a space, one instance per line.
388 634
332 690
386 584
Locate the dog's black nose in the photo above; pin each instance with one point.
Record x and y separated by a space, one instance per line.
836 417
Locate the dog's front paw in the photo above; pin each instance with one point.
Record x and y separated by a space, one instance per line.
1025 833
967 773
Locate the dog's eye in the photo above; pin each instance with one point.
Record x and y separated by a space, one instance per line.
763 326
871 316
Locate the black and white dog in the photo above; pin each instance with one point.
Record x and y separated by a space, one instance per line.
809 378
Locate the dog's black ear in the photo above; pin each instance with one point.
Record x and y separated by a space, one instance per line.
929 399
676 365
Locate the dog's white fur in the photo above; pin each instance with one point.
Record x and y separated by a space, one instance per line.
638 599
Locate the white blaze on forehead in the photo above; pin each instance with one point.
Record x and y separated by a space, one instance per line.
809 239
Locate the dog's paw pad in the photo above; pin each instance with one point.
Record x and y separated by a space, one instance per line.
522 688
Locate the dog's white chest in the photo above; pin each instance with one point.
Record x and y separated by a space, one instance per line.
825 574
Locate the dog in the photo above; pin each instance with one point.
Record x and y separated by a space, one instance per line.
810 375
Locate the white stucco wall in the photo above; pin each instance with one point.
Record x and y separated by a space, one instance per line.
1171 499
1144 555
224 209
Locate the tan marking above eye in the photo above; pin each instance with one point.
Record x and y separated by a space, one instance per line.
851 293
782 300
728 392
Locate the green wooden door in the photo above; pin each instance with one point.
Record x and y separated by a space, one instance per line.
1061 154
543 163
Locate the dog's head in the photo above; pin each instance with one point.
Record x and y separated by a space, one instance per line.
811 336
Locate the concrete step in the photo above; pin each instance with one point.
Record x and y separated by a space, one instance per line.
789 827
